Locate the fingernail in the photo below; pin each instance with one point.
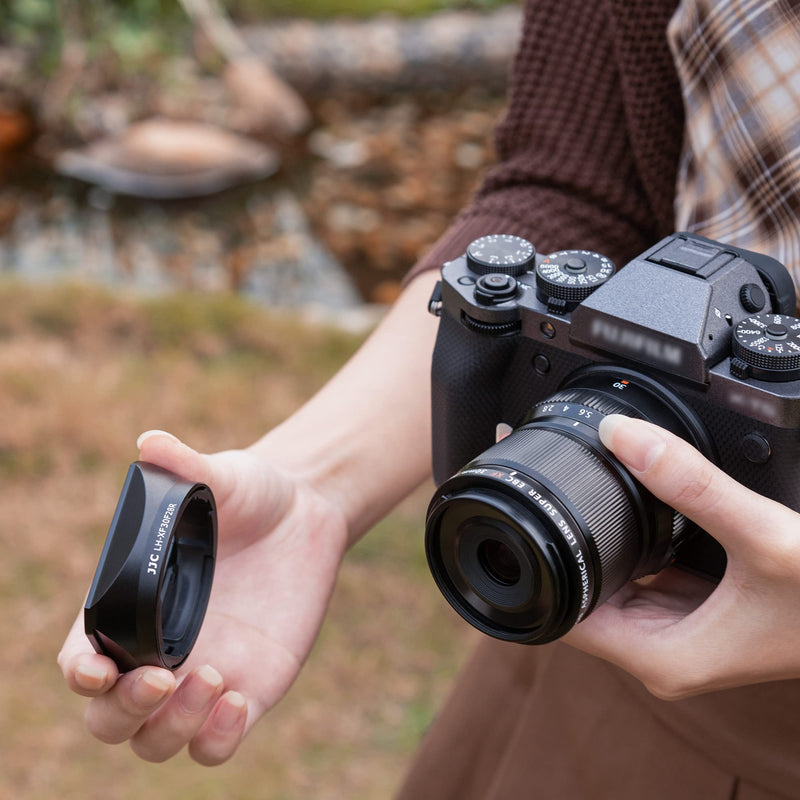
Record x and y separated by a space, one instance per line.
151 687
634 442
229 714
155 432
200 689
90 677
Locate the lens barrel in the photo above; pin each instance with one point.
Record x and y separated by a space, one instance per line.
545 525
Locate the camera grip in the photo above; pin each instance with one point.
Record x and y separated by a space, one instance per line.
467 373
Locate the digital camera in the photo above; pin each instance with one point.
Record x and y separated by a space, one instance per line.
525 536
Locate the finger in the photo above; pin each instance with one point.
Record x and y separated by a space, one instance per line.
116 715
176 722
165 450
86 672
219 737
679 475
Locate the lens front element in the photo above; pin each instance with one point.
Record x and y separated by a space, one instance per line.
499 562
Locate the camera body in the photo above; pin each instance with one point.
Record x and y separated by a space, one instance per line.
698 327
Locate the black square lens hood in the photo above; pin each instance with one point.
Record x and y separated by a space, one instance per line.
152 583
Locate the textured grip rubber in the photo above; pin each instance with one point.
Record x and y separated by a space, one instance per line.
466 376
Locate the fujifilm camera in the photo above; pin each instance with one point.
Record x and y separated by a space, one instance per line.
525 536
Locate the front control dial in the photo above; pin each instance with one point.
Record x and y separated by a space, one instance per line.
565 278
767 347
500 253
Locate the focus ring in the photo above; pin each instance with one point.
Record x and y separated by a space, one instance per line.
610 405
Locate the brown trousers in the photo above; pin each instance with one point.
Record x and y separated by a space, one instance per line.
551 722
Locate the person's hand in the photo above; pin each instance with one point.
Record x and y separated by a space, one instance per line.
679 634
280 546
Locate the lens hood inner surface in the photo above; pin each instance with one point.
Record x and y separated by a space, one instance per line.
153 581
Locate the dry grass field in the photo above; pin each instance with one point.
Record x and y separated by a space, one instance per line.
82 373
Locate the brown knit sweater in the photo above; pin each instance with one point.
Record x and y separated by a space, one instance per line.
590 143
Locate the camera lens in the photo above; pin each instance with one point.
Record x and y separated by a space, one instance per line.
538 530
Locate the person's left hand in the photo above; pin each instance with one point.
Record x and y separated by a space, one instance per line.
677 633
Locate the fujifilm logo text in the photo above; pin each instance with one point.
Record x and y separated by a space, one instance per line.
638 344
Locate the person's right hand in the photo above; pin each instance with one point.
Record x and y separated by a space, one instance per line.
279 550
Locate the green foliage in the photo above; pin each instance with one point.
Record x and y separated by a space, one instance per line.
32 24
135 32
256 10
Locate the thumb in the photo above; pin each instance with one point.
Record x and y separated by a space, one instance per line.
166 451
678 474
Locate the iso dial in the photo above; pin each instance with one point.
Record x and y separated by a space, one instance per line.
572 275
769 346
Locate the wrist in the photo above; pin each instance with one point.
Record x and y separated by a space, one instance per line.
351 472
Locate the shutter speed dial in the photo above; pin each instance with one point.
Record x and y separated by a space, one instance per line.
767 347
565 278
502 254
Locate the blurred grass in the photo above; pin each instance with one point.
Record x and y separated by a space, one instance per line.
82 373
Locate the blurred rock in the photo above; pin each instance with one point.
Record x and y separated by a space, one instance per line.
448 50
169 159
264 104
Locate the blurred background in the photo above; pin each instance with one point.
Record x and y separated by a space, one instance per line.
204 208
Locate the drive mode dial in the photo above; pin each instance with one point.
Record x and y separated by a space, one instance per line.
500 253
565 278
767 347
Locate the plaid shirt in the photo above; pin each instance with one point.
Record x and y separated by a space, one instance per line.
739 178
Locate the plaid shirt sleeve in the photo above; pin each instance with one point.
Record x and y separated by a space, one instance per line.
739 177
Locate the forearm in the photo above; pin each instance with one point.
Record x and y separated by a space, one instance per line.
364 439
